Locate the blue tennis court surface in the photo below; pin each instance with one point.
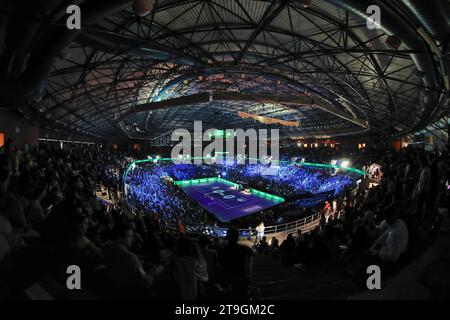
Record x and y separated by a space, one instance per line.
225 201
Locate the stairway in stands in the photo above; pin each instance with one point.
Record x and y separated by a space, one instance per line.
279 281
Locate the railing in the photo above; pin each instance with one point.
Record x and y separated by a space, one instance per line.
293 226
305 225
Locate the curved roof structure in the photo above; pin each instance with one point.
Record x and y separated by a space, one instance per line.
314 62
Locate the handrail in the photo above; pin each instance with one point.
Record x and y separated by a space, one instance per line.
289 227
270 230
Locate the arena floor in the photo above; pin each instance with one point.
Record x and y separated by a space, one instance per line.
226 202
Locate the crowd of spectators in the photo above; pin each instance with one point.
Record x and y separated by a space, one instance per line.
150 190
294 180
50 218
387 224
289 181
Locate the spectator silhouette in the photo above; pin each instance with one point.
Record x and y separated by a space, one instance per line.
236 262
